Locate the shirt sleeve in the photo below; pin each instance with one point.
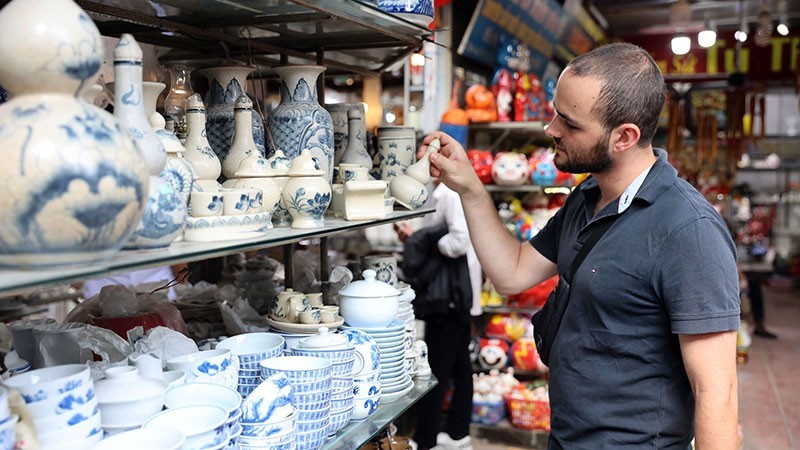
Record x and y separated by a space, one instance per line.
546 240
456 242
697 278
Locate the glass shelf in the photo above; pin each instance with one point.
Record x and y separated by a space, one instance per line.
351 36
356 434
15 280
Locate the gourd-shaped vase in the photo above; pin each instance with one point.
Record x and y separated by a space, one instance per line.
341 128
74 183
205 162
225 85
278 168
307 194
165 213
243 143
299 122
410 189
178 171
356 151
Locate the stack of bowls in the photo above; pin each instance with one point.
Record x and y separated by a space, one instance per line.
199 394
268 417
311 379
7 422
213 366
366 381
392 341
152 438
63 405
251 349
405 310
203 425
337 349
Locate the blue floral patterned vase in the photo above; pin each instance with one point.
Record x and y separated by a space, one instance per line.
74 184
225 85
299 122
306 194
165 213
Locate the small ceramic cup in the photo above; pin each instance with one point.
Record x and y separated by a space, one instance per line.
329 314
205 204
352 172
385 266
235 202
311 316
315 299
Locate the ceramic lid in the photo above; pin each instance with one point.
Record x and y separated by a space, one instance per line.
127 49
279 162
369 287
255 166
243 102
305 165
195 102
124 384
325 339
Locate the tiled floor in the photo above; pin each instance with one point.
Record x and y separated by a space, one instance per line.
769 386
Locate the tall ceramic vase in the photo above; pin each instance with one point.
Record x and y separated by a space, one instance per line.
74 185
165 213
199 153
299 122
225 85
341 128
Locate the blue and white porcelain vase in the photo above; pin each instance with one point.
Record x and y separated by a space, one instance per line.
225 85
299 122
307 194
165 214
74 184
341 127
199 153
419 12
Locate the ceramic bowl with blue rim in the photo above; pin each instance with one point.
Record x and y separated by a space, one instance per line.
63 403
274 429
312 415
312 439
366 348
270 402
298 369
338 406
254 347
364 407
41 384
344 369
323 385
304 428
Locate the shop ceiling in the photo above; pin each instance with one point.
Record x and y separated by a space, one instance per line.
643 17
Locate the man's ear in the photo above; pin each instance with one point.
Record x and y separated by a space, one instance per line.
625 136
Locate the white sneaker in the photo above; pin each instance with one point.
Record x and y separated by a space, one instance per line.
445 442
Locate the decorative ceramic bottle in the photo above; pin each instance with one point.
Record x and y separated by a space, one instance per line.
165 214
307 194
74 184
243 143
356 151
225 85
341 131
204 161
299 122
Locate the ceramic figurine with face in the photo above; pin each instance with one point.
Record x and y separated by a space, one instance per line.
482 161
510 169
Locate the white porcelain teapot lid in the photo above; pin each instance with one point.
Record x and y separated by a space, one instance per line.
305 165
254 166
325 339
123 384
369 287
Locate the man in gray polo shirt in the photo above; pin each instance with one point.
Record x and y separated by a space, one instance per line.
646 353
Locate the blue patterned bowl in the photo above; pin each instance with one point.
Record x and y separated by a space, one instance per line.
42 384
298 369
271 401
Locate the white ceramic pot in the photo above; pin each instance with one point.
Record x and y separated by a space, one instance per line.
396 150
127 398
368 303
307 194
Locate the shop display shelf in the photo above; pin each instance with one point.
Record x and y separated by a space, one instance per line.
356 434
509 309
15 280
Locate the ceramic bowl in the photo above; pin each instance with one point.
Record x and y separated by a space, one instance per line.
298 369
62 403
152 438
313 438
216 366
270 429
368 350
254 347
174 377
363 407
321 385
338 406
203 425
368 303
80 444
270 402
363 389
69 420
368 376
312 414
82 430
41 384
325 340
193 394
338 421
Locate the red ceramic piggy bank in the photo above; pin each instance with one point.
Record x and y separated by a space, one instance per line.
482 161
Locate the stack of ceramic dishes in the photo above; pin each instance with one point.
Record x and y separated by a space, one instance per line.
268 417
405 311
311 379
391 341
210 394
251 349
127 399
152 438
63 405
7 421
344 360
203 425
366 377
213 366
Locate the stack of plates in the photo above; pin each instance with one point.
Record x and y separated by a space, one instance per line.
391 341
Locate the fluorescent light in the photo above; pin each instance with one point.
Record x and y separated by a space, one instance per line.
681 45
782 29
707 38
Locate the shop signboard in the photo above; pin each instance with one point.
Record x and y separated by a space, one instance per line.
533 23
775 63
579 32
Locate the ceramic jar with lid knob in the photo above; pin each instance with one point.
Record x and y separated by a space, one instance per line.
368 303
306 194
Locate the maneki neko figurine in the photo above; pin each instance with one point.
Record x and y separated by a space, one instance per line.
503 90
510 169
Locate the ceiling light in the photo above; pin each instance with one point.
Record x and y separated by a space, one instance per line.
681 45
782 29
740 35
418 59
708 37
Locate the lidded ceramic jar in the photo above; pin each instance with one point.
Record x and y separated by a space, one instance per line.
369 303
75 184
254 173
324 340
307 194
127 398
279 165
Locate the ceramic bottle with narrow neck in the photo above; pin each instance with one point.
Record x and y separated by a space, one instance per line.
243 143
356 151
204 161
165 214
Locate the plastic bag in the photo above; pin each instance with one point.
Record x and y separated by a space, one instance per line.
239 317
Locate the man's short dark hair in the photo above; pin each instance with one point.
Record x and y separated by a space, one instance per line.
633 89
